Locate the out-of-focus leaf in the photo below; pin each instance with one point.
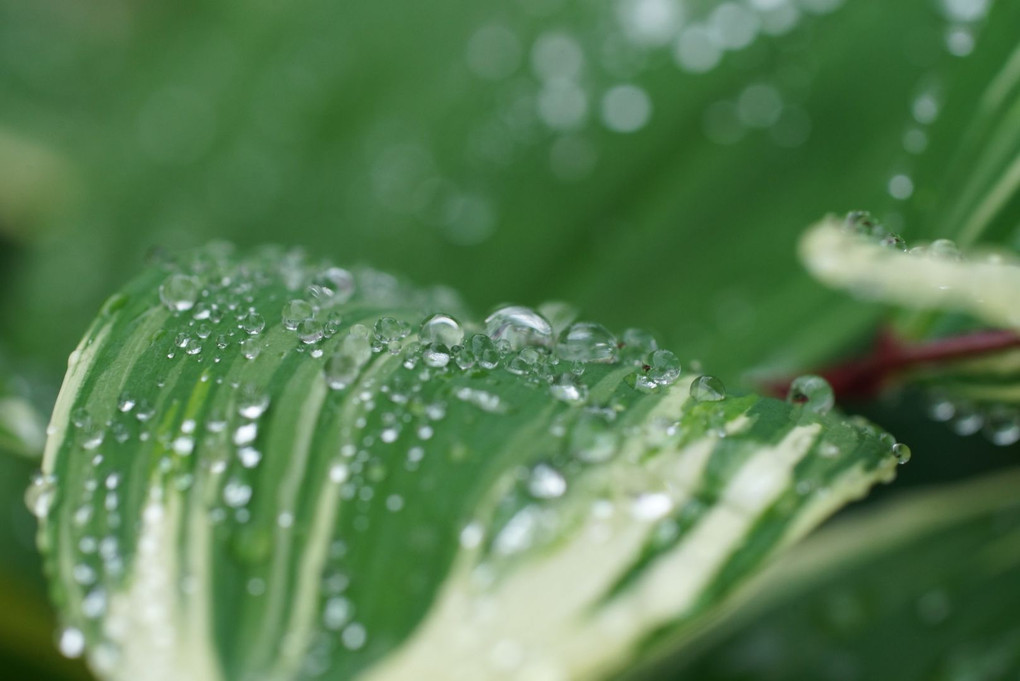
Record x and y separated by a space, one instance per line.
968 188
935 276
373 131
923 587
258 470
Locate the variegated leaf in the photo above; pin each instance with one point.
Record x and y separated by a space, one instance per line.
263 467
926 586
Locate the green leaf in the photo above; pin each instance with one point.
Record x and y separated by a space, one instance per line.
261 465
968 186
382 149
923 587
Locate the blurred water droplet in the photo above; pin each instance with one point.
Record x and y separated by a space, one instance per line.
40 495
1002 426
71 642
651 506
546 482
236 493
708 389
812 392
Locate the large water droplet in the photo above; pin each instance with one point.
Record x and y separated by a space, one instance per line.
665 367
441 329
708 389
180 292
519 326
901 452
587 342
812 392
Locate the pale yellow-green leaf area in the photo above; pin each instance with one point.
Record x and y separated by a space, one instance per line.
925 277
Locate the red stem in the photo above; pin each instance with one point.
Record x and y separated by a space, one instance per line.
864 377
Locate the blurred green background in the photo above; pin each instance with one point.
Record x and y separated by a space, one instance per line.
651 161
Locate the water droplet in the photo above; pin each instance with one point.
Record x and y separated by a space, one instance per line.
651 506
236 494
295 312
482 399
664 367
388 329
252 402
944 249
861 222
249 457
40 495
484 351
812 392
336 613
180 292
436 356
708 389
441 329
310 331
966 420
337 283
638 342
569 388
72 642
546 482
252 323
125 403
344 365
519 326
901 452
592 440
246 434
1002 426
587 342
250 348
626 108
354 636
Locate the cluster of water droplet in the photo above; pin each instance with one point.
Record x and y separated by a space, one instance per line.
866 226
998 423
355 338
